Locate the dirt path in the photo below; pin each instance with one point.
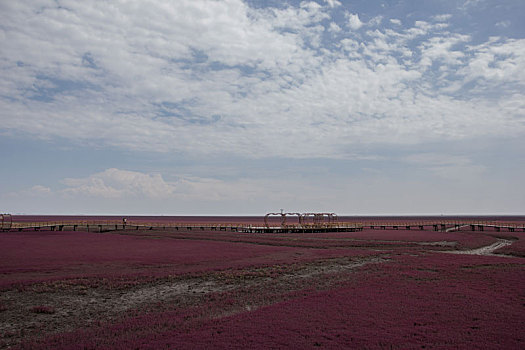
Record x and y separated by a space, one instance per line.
486 250
455 228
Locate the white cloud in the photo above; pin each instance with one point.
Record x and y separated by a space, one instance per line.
497 62
503 24
333 3
334 27
441 48
121 184
219 77
353 21
395 21
39 189
36 191
467 4
115 183
375 21
442 18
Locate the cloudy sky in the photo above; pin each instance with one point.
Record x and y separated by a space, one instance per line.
244 107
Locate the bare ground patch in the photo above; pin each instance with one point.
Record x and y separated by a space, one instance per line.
77 306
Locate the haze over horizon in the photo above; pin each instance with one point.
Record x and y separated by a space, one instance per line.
204 107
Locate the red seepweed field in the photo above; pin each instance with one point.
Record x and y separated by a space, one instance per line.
202 289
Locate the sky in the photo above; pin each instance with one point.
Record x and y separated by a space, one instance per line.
205 107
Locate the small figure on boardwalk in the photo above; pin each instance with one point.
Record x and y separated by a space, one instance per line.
124 221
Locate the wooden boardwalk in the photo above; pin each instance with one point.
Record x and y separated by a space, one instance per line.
106 226
448 226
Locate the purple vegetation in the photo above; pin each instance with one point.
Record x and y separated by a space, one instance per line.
408 295
457 302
